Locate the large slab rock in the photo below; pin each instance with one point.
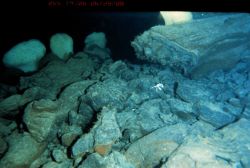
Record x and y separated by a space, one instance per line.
239 136
227 148
201 153
198 47
148 151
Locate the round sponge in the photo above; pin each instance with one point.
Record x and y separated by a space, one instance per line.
176 17
25 56
61 45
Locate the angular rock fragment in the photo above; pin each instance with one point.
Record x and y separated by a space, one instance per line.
111 92
9 106
40 118
106 131
83 144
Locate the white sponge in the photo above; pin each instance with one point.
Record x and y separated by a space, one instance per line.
96 38
176 17
61 45
25 56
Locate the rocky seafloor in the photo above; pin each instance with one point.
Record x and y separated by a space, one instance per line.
187 105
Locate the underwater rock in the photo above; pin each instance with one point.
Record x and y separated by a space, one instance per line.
34 93
42 159
101 137
115 159
25 56
57 165
75 119
127 121
9 106
84 144
182 109
215 114
120 69
152 114
70 135
97 52
201 152
58 155
70 95
106 131
193 91
22 151
199 47
219 149
58 74
7 128
246 113
151 149
6 90
41 117
95 45
87 114
3 146
111 92
61 44
93 160
238 136
234 102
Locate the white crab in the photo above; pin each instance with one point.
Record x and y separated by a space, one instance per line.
158 87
